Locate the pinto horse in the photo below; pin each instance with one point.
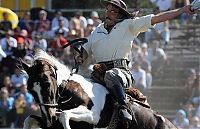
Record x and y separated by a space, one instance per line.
82 104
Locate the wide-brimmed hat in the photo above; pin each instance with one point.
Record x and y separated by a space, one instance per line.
121 5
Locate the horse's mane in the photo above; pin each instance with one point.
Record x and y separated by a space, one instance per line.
63 72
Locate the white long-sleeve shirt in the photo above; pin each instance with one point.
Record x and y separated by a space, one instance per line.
117 44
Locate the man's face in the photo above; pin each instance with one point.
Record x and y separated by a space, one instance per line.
111 14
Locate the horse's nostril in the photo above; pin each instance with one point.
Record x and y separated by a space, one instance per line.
53 119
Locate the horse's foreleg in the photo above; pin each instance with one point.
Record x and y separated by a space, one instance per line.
80 113
30 122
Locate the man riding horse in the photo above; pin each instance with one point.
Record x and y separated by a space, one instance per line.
110 44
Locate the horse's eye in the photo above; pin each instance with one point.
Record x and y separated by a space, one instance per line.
52 75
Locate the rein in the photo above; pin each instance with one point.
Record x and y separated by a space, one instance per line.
48 105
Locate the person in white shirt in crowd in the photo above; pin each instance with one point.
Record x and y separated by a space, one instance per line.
95 18
146 66
39 41
195 123
61 26
2 54
144 50
164 5
157 57
8 46
159 32
8 43
139 76
57 18
90 27
18 79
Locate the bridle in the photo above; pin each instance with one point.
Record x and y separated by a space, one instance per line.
55 104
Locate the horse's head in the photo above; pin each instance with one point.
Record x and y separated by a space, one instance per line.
42 84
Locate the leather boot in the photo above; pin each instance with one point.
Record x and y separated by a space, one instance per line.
119 95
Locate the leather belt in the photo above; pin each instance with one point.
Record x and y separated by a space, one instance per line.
119 63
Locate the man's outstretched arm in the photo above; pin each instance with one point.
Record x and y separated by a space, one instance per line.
168 15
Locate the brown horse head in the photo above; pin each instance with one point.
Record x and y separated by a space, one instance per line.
42 84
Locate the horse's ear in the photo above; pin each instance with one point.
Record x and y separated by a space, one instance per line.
25 66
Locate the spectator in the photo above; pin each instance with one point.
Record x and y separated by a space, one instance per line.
21 49
90 27
58 42
39 41
196 87
95 18
144 50
189 108
159 32
27 41
60 27
78 23
189 83
58 17
20 106
198 111
6 104
139 76
135 50
26 23
5 24
43 24
195 124
8 45
181 120
8 85
2 54
18 79
157 58
83 21
146 66
27 96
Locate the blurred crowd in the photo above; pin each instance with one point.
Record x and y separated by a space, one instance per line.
147 59
16 103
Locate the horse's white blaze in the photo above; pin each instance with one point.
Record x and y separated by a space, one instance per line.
95 91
